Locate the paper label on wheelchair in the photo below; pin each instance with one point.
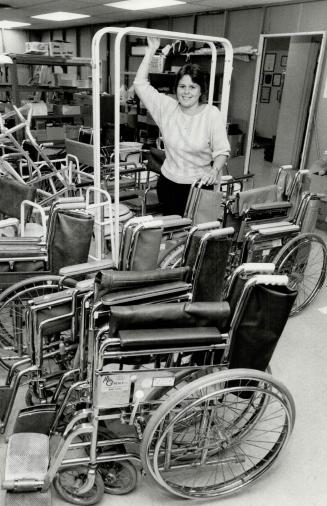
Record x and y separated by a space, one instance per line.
268 245
114 389
119 389
163 382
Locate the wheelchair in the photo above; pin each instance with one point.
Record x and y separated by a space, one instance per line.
30 264
57 318
29 163
274 224
177 389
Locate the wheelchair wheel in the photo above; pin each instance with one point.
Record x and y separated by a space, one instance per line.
218 434
68 481
13 302
304 260
119 478
173 258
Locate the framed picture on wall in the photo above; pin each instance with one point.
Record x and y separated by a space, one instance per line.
269 62
283 61
277 80
267 79
265 94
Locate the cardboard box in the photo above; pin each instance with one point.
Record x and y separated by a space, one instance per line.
83 83
64 80
39 134
61 48
55 48
67 49
54 133
157 64
37 48
66 109
72 131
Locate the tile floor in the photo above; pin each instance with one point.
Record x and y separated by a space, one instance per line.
298 477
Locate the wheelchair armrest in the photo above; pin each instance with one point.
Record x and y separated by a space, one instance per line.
112 281
172 337
86 268
153 293
270 205
54 298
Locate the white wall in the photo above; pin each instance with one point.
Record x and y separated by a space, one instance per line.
241 26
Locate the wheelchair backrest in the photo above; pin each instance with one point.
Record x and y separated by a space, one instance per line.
206 253
260 195
12 194
257 327
83 151
69 238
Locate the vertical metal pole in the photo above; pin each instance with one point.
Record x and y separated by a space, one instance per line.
120 33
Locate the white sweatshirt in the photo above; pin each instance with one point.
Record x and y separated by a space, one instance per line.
191 142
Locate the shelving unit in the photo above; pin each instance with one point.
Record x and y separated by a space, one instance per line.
15 89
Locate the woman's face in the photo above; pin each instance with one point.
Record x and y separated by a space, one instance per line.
188 92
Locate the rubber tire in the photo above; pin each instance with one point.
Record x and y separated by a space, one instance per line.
173 400
287 250
18 290
125 466
97 490
173 258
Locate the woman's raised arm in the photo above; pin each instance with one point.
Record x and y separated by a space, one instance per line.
143 70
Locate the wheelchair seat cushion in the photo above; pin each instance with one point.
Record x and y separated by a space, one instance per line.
169 315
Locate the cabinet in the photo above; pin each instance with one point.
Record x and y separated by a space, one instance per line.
34 78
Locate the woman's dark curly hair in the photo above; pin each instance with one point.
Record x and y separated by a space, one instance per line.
196 74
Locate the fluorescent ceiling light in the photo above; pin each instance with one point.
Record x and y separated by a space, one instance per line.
61 16
136 5
12 24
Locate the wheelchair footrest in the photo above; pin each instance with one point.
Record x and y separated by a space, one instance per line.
27 459
29 499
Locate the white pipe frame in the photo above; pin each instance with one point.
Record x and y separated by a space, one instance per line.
162 34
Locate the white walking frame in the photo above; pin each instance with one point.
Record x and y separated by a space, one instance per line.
120 34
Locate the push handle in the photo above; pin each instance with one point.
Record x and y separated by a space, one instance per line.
266 268
268 279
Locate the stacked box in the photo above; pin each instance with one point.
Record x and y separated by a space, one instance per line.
54 133
66 109
72 131
37 48
157 64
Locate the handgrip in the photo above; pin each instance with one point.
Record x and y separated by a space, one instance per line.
266 268
269 279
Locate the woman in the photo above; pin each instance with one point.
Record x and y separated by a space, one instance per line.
194 133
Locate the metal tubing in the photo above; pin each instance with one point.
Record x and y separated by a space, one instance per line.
120 33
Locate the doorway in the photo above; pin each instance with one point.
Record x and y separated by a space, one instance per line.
286 82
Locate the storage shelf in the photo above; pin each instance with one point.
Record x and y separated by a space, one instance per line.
50 88
17 89
36 59
55 116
